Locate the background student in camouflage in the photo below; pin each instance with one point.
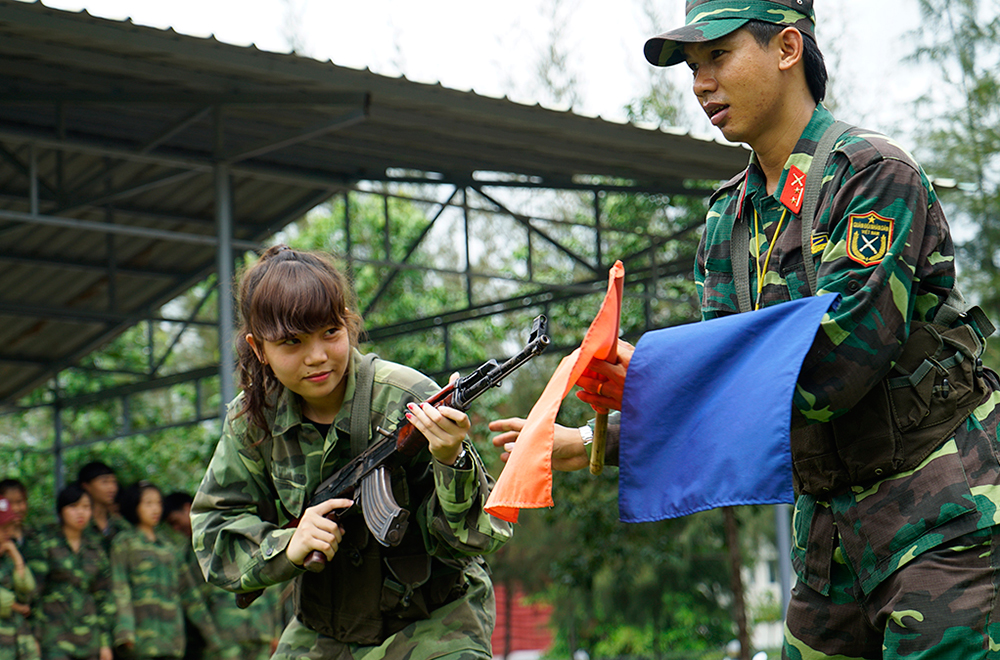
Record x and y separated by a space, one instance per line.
429 597
74 610
895 519
101 483
151 585
17 587
244 634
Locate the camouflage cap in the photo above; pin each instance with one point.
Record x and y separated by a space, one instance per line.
7 514
711 19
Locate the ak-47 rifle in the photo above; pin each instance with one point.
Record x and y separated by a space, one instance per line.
366 477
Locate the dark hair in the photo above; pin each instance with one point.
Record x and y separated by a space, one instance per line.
128 500
175 502
286 293
11 484
812 57
68 496
92 470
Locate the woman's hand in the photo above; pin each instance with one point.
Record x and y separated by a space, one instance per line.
106 653
568 450
8 547
445 428
317 532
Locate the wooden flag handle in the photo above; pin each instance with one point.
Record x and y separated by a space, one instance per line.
600 442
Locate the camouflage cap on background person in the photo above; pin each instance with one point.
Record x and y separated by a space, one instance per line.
711 19
7 514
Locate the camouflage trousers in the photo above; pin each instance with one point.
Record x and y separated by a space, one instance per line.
940 605
459 630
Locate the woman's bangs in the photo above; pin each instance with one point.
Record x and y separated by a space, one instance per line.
291 300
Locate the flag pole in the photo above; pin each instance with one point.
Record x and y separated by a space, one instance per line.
601 427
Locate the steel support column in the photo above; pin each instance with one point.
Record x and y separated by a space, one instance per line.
224 222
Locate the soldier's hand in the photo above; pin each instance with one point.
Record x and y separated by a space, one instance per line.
21 608
445 428
317 532
106 653
568 451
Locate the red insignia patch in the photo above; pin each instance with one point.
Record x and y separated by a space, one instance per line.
869 236
791 194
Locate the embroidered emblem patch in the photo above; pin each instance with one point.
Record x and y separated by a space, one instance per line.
819 242
869 236
791 194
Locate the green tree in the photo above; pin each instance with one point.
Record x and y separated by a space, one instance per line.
961 141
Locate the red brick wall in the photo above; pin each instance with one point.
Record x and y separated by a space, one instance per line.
528 624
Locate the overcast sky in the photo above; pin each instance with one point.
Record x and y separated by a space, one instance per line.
495 47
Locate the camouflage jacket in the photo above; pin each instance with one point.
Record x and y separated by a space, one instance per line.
880 240
14 588
74 611
116 524
255 627
258 624
254 486
152 591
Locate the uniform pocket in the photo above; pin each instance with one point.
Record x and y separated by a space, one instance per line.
882 527
290 484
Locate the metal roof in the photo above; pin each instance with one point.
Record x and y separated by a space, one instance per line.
114 138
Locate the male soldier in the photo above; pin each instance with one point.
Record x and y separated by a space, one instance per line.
100 482
894 421
250 633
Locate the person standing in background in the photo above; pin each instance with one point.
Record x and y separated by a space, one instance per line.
74 610
152 588
250 633
100 482
17 586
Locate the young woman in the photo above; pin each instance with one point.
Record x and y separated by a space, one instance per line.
17 586
74 610
152 587
428 597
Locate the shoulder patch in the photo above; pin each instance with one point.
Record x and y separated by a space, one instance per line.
869 236
791 194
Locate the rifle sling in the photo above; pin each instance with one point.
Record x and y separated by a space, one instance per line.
361 406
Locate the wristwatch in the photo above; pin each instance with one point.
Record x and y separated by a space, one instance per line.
587 433
462 461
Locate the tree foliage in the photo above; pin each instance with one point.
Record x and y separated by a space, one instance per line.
961 141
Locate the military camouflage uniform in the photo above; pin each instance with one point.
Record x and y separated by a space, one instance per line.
74 612
241 506
247 634
15 641
116 524
151 587
243 633
903 565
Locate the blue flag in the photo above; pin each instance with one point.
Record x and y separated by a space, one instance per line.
706 413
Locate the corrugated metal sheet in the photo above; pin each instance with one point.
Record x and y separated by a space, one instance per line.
124 124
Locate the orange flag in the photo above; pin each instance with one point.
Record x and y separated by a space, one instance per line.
526 480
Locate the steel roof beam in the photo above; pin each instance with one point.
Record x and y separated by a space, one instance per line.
120 229
85 266
89 316
336 124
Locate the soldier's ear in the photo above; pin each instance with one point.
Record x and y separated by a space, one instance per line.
791 47
256 349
